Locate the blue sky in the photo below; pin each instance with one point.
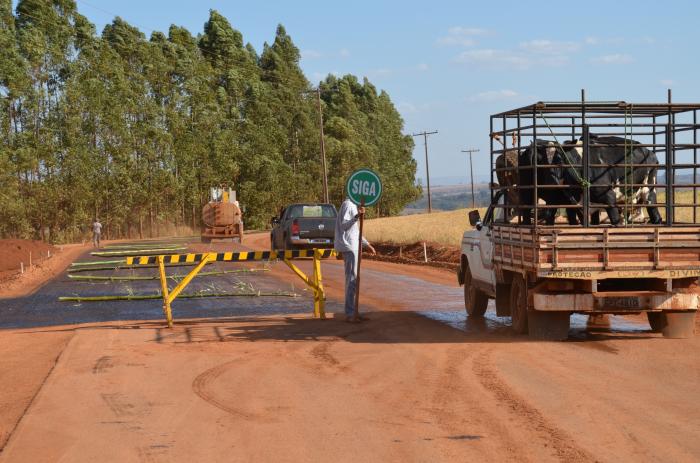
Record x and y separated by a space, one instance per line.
449 65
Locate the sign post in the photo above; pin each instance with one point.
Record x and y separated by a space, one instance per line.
364 188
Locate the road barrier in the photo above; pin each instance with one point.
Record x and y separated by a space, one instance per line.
315 282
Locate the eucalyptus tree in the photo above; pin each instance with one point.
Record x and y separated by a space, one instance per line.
136 129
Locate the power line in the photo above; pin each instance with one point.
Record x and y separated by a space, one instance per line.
471 170
425 134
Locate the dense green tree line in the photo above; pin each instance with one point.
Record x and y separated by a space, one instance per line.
135 129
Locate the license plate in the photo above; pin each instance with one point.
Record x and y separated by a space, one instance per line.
621 302
321 241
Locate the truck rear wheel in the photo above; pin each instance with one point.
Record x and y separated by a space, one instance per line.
677 325
475 301
518 304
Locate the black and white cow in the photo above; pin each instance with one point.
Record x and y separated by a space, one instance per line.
550 173
608 179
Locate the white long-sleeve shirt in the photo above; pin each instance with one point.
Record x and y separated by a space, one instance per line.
347 229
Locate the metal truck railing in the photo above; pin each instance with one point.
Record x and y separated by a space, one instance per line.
668 130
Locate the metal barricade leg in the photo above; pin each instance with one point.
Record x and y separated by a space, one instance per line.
319 293
164 291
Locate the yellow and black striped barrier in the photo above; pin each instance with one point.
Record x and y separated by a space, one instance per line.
315 282
230 256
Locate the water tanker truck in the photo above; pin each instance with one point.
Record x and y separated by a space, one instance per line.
222 216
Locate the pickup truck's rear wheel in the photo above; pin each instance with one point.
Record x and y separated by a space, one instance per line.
518 304
475 301
678 325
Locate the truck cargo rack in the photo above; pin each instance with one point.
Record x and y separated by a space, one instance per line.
668 129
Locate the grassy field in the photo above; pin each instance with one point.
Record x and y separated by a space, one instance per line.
447 227
684 205
439 227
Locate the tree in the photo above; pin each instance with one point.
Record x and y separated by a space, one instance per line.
136 130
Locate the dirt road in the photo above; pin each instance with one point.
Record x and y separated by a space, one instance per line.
419 382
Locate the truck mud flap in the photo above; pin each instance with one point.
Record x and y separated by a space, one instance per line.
502 300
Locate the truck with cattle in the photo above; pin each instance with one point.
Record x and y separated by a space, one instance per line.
594 211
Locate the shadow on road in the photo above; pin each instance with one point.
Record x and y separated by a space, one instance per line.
383 327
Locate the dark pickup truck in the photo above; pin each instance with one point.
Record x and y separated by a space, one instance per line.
304 226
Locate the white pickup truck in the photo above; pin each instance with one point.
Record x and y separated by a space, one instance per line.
540 275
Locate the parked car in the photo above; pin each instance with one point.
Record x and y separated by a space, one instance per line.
303 226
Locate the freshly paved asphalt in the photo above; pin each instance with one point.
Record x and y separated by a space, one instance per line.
44 309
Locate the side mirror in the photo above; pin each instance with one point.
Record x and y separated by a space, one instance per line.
474 218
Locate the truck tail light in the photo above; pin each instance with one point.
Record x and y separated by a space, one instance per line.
295 227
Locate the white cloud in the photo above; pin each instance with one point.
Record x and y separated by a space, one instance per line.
311 54
461 41
667 82
549 47
594 40
493 95
495 59
461 36
344 53
616 58
458 30
422 67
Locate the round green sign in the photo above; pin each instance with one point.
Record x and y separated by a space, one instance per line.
364 186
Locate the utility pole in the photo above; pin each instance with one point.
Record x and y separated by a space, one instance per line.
317 91
323 146
471 170
425 134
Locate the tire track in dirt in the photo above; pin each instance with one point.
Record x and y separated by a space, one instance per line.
322 357
201 387
565 448
102 364
321 352
452 388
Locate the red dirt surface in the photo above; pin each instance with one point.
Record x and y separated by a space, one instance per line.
15 284
438 255
401 387
15 251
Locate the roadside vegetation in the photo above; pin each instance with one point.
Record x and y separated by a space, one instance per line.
135 129
444 228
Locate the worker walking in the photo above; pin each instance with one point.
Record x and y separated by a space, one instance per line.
96 232
347 237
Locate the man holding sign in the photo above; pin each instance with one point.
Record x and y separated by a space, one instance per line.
363 187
